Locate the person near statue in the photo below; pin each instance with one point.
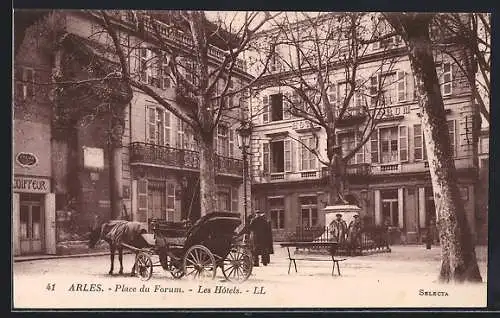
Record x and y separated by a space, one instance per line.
354 234
338 229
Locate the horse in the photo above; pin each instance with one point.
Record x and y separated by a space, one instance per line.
116 232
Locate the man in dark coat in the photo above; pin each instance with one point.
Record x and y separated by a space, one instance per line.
262 239
338 229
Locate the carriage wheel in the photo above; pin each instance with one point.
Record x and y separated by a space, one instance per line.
143 266
199 263
176 270
238 265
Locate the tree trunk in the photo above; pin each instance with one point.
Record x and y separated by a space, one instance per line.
115 182
459 262
208 190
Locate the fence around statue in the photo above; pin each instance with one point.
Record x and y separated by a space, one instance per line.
372 239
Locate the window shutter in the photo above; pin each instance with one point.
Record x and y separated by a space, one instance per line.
142 200
374 147
151 124
170 204
374 89
265 109
403 143
234 199
312 157
286 105
452 134
287 155
401 86
447 79
293 154
417 142
266 158
360 158
168 130
231 143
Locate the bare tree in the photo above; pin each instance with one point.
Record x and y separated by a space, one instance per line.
331 84
459 261
149 49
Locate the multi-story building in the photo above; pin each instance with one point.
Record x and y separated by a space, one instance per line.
65 171
389 176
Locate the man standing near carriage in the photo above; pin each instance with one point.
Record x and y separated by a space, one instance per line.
261 238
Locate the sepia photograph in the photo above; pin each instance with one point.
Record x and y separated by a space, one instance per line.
178 159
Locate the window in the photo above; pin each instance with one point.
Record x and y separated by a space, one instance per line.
144 66
277 212
25 83
278 156
484 145
223 199
388 144
227 199
308 211
276 107
308 159
163 71
446 79
222 140
393 86
180 141
170 201
158 126
419 151
355 103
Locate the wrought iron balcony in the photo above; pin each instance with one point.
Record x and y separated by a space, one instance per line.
176 158
358 169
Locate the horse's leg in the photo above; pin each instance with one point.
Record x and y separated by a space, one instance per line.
132 273
112 258
120 258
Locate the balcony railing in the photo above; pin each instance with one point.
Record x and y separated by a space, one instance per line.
181 38
358 169
180 158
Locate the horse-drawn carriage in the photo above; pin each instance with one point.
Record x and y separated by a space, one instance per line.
196 251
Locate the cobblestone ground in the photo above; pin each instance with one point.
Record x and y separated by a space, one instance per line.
404 278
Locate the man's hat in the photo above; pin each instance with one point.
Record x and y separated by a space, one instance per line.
338 214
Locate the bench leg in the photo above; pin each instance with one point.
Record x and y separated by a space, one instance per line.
295 264
289 266
338 267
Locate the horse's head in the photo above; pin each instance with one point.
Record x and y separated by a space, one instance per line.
95 232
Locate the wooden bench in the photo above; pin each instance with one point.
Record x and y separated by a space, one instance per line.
331 246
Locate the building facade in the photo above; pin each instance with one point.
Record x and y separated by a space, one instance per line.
65 169
389 176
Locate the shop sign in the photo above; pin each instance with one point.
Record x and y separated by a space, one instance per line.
93 158
31 184
26 159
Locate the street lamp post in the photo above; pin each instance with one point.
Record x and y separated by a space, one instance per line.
245 132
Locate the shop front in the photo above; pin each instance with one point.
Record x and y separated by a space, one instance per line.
34 227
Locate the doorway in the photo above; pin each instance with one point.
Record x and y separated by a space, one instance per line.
157 200
31 223
390 207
